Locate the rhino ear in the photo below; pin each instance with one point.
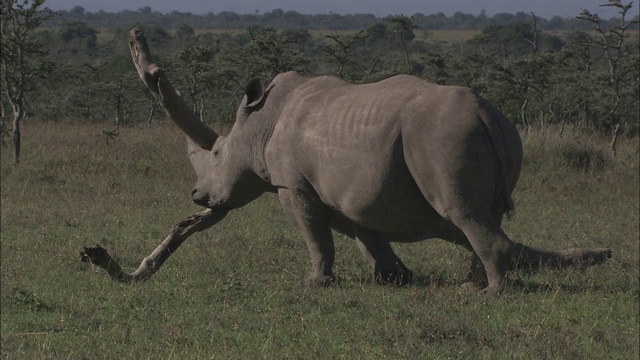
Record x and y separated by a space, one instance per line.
255 92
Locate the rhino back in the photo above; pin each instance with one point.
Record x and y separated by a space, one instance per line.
345 143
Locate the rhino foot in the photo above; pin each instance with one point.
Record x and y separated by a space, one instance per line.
396 277
314 280
470 286
474 287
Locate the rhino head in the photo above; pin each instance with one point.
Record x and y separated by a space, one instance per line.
227 171
227 167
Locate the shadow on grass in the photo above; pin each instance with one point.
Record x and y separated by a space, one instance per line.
528 287
443 281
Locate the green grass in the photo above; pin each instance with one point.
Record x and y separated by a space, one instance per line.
234 291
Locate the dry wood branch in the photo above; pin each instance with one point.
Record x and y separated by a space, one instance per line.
100 257
526 257
156 80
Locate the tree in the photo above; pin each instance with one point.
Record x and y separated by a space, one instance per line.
80 32
513 39
619 61
112 87
340 51
266 53
580 57
21 54
77 11
198 74
185 33
403 27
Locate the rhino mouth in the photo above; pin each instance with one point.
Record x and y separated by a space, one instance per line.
202 201
209 202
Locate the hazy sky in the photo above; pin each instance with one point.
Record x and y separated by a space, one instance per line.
543 8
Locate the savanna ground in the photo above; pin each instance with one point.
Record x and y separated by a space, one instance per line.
234 291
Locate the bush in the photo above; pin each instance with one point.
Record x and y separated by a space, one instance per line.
584 158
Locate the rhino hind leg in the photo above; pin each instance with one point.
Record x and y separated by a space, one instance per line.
492 253
387 266
313 222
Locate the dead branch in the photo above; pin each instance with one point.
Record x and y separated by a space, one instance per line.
156 81
100 257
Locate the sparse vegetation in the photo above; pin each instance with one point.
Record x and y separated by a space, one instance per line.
234 291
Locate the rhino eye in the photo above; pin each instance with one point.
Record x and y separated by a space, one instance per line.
215 153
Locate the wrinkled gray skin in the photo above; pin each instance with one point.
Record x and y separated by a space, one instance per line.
398 160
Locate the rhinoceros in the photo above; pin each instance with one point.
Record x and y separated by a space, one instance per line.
400 160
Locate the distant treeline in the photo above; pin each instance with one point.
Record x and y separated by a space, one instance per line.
80 68
279 19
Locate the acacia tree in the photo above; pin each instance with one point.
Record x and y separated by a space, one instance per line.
115 87
579 55
198 74
270 53
620 64
403 27
340 51
20 56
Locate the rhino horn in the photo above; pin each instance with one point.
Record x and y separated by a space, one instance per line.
155 79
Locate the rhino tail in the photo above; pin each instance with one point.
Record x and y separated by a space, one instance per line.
503 203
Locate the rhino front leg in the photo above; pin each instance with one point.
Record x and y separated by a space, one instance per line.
312 220
387 266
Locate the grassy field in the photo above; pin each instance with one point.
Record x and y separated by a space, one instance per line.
233 292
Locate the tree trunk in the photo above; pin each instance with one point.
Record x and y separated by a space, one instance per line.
614 140
373 65
523 113
201 110
19 114
585 115
534 32
118 111
406 51
1 125
152 112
